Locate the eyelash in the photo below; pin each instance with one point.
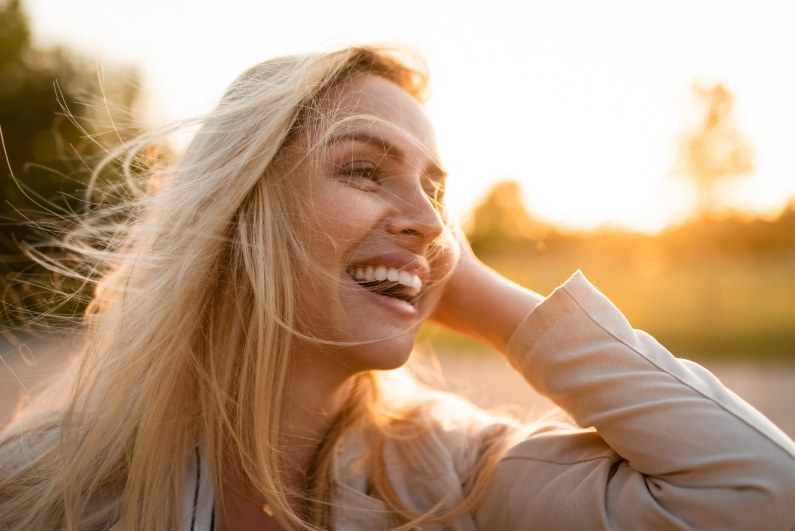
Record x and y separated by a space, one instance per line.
436 196
434 190
367 176
363 171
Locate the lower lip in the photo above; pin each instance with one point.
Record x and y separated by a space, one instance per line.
398 307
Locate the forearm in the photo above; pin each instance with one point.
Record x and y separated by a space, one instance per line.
484 305
692 451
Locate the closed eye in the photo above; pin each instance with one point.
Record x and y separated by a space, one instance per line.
361 174
434 189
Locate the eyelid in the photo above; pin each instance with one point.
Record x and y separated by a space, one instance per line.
434 189
432 182
363 174
358 165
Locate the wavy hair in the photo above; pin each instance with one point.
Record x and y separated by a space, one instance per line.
191 328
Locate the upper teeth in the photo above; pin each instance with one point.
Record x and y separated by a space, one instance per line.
379 273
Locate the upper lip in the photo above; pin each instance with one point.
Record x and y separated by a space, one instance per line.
414 264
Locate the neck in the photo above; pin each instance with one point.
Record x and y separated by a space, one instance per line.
317 391
316 395
309 410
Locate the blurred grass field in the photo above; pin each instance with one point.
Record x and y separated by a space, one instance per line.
733 305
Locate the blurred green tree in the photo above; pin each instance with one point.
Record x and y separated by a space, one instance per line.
49 127
715 151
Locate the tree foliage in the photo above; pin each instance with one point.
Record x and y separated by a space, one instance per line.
715 151
710 286
49 127
501 222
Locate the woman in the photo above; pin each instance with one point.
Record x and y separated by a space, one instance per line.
228 381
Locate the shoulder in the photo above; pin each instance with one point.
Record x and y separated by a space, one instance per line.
445 433
33 479
528 454
23 448
432 428
28 459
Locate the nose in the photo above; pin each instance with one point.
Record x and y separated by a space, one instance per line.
415 218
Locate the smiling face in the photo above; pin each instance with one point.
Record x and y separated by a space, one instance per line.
369 186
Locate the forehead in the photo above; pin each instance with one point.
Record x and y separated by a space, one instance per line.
375 105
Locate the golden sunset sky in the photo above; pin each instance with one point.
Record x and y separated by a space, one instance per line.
582 102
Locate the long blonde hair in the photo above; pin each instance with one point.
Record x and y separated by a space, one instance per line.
191 328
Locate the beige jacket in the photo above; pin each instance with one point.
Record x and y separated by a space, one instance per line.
662 444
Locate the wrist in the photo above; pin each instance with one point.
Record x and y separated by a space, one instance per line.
482 304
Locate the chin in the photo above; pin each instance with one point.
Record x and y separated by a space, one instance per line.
385 355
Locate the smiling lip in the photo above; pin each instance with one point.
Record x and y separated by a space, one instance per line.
410 263
392 280
382 274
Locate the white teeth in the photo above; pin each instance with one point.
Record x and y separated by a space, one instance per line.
364 273
381 273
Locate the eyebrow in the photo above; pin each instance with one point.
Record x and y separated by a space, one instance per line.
434 170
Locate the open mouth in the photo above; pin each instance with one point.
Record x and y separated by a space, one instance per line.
388 281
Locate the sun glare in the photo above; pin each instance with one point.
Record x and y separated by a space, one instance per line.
583 107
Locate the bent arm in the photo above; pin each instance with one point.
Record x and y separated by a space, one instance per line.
481 303
673 448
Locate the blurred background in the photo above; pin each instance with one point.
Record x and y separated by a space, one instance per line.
651 146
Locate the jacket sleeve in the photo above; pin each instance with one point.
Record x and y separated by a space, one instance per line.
662 444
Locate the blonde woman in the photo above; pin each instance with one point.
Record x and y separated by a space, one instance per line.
228 380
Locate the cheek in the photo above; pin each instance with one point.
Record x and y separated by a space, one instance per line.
443 257
342 217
